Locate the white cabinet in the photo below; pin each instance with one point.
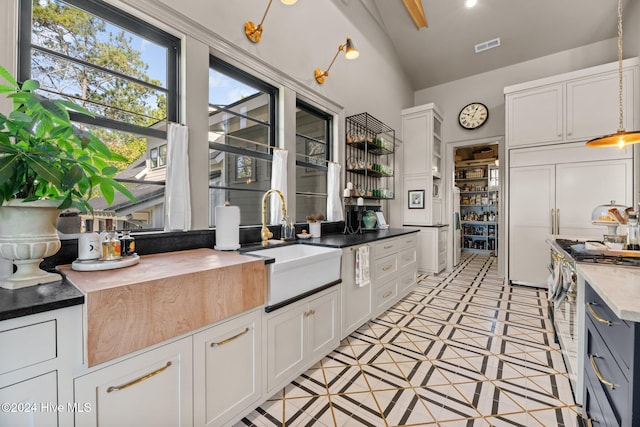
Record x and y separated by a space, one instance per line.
552 193
356 299
37 353
432 249
423 166
153 388
299 335
394 270
228 370
575 106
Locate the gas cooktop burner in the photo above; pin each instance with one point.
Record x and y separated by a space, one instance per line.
569 246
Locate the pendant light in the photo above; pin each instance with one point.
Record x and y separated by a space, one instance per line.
621 138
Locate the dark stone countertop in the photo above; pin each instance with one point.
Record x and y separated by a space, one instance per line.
37 299
60 294
346 240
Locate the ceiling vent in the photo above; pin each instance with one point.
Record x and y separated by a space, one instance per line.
481 47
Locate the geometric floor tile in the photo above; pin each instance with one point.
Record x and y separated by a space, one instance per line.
463 349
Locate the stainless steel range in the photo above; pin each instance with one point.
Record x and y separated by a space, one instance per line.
566 296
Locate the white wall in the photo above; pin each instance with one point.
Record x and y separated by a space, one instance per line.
296 40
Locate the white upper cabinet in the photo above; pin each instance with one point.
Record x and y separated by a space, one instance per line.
576 106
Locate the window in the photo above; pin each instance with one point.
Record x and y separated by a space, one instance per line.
121 69
313 142
242 112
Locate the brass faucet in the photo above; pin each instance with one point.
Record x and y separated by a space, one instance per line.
265 234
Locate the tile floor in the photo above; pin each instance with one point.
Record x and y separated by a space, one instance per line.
463 349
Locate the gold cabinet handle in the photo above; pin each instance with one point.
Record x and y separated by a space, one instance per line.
553 221
592 359
387 295
596 315
228 340
139 380
388 247
309 313
387 268
557 221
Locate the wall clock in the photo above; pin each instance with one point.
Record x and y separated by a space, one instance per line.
473 116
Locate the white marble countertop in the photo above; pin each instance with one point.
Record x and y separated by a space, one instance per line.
619 287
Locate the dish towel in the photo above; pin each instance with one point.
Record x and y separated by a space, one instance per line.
554 282
177 191
362 266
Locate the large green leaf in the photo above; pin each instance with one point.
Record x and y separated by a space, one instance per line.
122 189
44 171
107 191
72 176
8 77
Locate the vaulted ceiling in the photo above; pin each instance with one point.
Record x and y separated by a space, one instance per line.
444 50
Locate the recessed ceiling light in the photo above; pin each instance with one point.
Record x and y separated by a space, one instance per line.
470 3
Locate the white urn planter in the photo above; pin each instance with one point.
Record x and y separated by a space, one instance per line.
27 235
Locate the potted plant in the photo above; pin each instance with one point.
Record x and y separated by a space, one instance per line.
46 165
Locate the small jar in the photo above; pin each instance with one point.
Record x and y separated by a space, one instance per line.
127 243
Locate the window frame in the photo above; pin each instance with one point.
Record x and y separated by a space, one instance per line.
129 23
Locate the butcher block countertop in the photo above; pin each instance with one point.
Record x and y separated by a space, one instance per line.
164 296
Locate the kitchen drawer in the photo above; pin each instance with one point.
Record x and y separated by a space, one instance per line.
385 296
617 333
596 408
406 281
407 259
600 362
385 267
386 247
36 342
409 241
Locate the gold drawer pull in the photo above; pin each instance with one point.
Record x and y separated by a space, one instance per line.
309 313
387 295
596 316
388 247
592 359
139 380
388 267
228 340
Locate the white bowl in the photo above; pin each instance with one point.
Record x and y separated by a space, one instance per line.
304 236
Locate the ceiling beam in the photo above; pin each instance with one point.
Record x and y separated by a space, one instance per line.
414 7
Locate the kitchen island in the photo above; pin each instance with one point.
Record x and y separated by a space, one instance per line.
611 344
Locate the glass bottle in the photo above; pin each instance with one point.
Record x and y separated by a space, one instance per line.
633 237
127 243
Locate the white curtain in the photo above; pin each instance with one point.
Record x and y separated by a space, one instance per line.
278 182
334 202
177 200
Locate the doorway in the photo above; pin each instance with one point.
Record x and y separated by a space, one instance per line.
477 170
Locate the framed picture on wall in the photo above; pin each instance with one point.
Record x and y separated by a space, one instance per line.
416 199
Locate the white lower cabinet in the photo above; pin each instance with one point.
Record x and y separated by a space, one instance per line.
356 299
150 389
299 335
33 402
432 249
228 370
37 353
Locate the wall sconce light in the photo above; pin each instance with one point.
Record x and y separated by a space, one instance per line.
253 31
350 52
621 138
